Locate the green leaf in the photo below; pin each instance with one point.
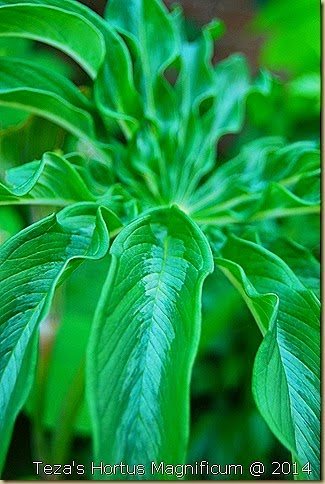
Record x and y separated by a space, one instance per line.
286 378
183 96
27 49
299 259
76 303
220 111
31 87
67 29
51 181
233 84
138 371
195 84
115 95
67 5
152 39
32 263
275 181
11 117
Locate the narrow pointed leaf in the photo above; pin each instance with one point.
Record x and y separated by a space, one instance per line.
286 377
200 96
144 341
152 35
116 96
196 81
275 181
31 265
232 81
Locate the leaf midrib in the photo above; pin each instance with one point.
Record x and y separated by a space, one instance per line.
142 400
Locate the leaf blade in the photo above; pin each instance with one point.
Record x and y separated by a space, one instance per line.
286 377
55 97
137 305
31 265
155 47
33 20
276 181
53 180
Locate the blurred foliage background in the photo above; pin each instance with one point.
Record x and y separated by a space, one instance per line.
281 40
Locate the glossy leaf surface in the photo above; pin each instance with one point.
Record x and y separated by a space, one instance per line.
31 265
275 181
155 47
181 93
53 180
286 378
144 341
32 21
300 259
116 96
36 89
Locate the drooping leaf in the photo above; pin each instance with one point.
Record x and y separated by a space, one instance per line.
76 307
53 180
34 88
32 263
28 49
286 378
144 339
32 21
115 94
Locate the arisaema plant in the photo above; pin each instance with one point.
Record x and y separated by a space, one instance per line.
139 177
